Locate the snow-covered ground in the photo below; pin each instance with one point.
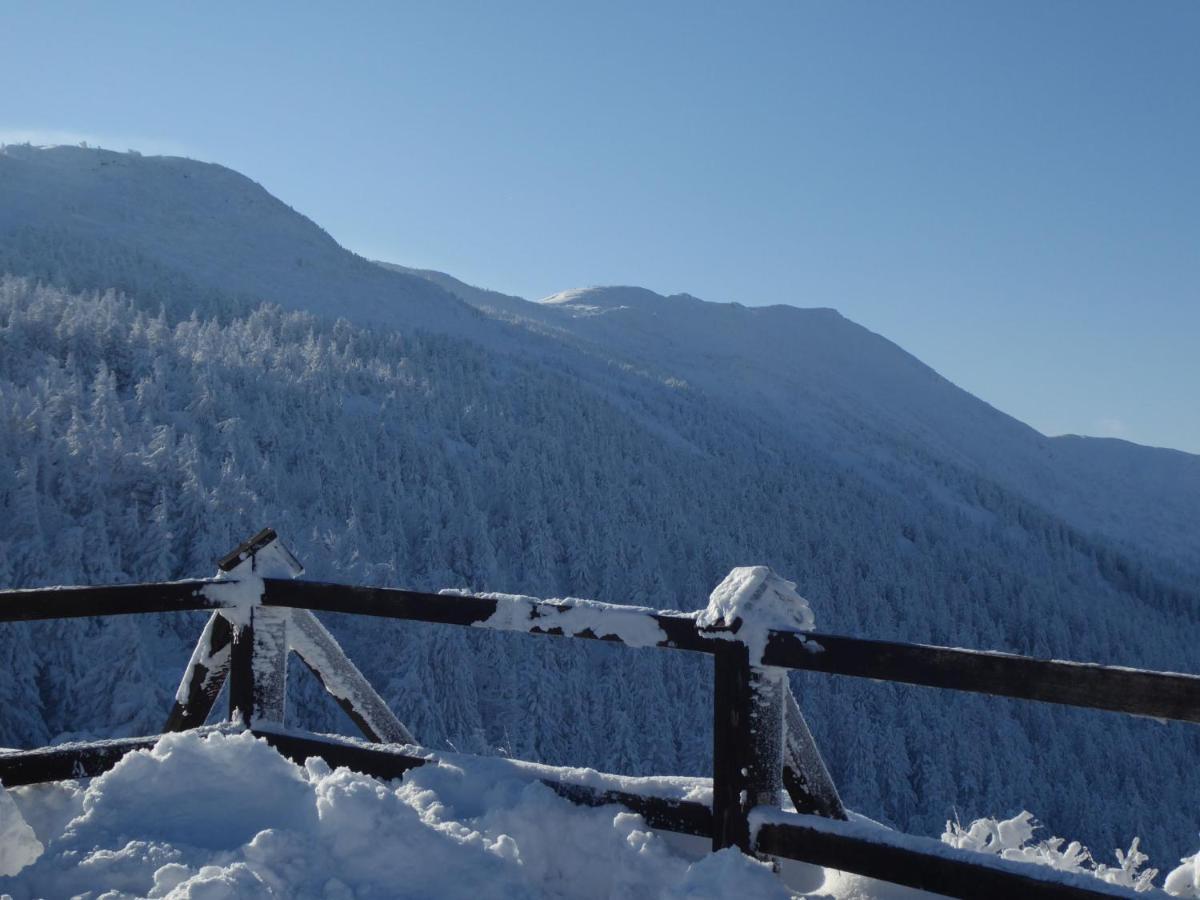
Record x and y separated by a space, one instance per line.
217 815
223 815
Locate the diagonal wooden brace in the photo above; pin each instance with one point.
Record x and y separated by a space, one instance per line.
258 667
805 776
320 651
204 676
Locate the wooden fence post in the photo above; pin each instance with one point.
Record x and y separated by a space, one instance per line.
747 743
258 656
241 672
258 667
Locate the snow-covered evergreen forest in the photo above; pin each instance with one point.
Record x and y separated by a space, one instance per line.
151 416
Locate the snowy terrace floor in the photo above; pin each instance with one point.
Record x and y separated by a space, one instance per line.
224 816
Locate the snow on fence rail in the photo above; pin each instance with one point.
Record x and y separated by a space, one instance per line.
761 744
1160 695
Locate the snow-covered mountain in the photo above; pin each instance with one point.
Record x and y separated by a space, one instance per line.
609 443
190 234
842 388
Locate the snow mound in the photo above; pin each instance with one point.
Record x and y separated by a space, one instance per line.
1184 881
762 602
19 846
225 816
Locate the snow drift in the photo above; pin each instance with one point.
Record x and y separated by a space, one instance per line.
225 816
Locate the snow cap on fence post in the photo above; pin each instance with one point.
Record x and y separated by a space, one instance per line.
245 567
752 602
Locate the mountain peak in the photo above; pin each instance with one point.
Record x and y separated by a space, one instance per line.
600 299
210 236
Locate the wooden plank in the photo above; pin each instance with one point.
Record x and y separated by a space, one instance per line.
1162 695
805 776
204 676
1156 694
325 658
104 600
86 760
936 868
731 673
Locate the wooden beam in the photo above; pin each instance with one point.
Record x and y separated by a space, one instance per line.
923 863
685 817
258 668
1164 695
270 664
104 600
86 760
204 676
245 550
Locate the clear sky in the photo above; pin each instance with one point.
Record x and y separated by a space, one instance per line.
1009 190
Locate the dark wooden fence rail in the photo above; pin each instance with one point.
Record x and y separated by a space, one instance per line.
750 761
1160 695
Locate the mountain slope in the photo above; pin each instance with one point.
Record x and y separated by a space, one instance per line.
853 393
202 234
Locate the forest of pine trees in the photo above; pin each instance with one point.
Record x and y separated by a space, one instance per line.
139 446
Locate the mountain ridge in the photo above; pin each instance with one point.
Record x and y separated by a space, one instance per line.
1157 482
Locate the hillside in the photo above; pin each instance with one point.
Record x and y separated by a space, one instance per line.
190 235
611 444
836 385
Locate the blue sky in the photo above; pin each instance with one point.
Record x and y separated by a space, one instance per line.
1011 191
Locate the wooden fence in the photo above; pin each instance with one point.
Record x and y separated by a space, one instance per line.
761 745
